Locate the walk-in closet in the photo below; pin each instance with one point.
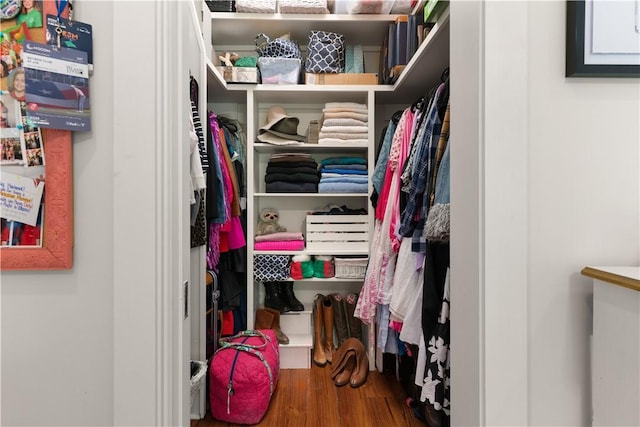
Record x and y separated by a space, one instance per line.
327 208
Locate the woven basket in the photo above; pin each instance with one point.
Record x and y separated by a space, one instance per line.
197 378
351 268
256 6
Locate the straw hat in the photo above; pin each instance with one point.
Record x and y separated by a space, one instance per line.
280 128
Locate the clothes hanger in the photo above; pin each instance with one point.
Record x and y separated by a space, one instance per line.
396 116
444 77
228 123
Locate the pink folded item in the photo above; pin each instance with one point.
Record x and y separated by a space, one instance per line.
282 245
283 235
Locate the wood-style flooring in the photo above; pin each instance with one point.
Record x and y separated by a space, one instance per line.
308 397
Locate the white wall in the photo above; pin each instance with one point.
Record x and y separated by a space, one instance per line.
584 209
102 344
574 154
57 326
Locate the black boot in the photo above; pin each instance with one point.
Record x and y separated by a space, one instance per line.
286 291
273 298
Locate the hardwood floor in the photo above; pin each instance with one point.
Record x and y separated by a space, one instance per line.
308 397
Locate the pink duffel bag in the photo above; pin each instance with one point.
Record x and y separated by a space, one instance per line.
244 373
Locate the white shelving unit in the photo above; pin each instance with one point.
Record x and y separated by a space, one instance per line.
249 104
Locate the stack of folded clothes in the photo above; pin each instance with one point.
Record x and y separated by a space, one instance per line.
292 173
281 241
343 175
344 122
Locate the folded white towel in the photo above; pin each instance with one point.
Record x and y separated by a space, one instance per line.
328 141
345 105
345 129
340 135
346 114
344 122
345 110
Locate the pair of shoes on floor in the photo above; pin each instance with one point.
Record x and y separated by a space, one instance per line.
350 364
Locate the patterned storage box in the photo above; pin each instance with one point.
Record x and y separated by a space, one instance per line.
331 232
351 268
269 268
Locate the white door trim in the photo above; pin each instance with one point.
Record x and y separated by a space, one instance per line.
150 373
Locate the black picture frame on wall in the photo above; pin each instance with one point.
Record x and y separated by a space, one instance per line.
575 47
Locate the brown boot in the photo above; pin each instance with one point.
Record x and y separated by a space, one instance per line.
282 338
345 374
319 357
327 315
360 372
355 324
264 319
339 318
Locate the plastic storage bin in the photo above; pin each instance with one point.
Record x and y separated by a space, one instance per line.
279 70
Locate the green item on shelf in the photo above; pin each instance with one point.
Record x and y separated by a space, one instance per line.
307 269
247 61
433 9
323 267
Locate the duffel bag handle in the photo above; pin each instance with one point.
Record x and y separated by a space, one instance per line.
227 341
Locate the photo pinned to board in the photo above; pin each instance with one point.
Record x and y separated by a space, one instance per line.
31 139
57 87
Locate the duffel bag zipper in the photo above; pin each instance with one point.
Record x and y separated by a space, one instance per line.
230 385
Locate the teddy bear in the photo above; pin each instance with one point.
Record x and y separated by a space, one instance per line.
268 222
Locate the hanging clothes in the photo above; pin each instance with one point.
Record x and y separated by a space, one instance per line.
226 252
375 289
406 284
198 220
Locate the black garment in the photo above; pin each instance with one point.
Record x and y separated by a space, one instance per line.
292 177
302 169
232 277
342 210
291 187
435 271
293 163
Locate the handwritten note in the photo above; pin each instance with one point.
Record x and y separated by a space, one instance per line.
20 198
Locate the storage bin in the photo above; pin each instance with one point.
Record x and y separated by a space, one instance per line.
351 268
343 232
279 70
256 6
303 6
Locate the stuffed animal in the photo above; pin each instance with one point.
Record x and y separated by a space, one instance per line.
268 222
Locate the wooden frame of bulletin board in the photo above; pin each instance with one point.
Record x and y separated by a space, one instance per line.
56 251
